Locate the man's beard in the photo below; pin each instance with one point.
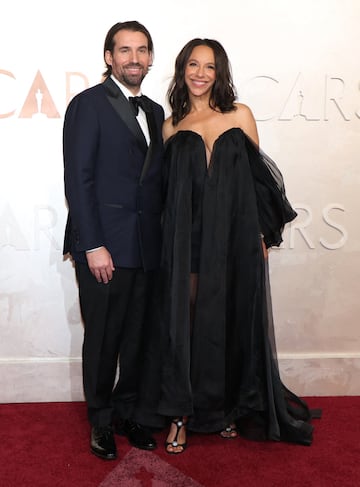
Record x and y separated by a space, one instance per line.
133 80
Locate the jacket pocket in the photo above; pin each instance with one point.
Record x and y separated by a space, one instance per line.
113 205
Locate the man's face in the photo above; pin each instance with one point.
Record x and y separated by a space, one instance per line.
130 59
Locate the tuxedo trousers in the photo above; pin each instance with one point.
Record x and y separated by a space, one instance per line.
113 316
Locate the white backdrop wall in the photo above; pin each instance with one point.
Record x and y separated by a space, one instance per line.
294 63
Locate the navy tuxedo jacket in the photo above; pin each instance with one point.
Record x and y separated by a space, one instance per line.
113 180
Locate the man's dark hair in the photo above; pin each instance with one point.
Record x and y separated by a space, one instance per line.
223 92
109 43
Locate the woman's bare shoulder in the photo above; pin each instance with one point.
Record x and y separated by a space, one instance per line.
243 111
246 121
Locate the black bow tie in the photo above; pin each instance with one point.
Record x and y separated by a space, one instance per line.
139 101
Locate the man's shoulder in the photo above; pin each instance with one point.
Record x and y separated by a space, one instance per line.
92 91
90 97
156 106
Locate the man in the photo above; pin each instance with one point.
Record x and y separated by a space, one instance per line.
112 158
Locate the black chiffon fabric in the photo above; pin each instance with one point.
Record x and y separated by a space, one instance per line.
222 368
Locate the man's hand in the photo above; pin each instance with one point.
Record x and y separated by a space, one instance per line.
100 264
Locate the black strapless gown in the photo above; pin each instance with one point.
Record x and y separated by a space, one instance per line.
223 368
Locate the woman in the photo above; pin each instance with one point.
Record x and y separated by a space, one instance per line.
225 205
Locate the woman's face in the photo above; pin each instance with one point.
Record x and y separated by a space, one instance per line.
200 71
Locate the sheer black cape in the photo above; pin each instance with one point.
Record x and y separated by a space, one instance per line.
223 367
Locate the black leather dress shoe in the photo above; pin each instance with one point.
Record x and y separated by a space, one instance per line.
137 435
102 442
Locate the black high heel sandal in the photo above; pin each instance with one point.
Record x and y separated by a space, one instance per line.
180 423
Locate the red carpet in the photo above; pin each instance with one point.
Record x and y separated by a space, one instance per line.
46 445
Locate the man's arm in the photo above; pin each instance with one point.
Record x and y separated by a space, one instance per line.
80 139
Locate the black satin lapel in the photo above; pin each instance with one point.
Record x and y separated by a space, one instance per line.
122 107
154 141
146 162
